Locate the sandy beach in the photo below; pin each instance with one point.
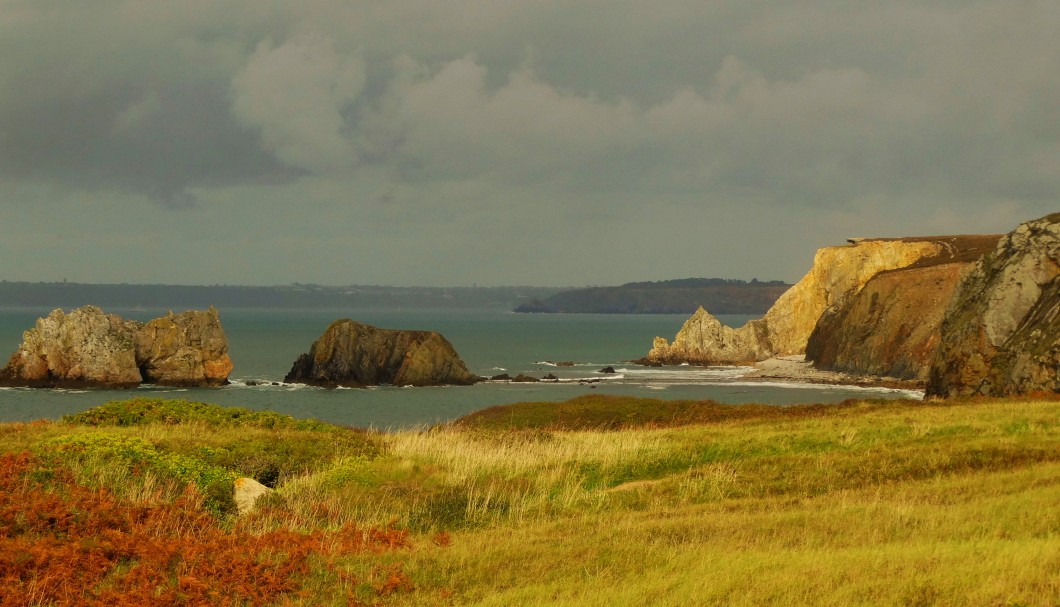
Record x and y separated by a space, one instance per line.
797 368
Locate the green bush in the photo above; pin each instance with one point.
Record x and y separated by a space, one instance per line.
143 411
215 483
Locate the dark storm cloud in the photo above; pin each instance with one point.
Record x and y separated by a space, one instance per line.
410 125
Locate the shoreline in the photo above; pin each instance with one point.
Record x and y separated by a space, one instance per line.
796 368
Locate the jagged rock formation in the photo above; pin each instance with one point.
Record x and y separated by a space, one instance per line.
87 348
186 349
891 326
1001 333
353 354
837 274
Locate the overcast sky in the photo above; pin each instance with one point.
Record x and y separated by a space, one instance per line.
418 142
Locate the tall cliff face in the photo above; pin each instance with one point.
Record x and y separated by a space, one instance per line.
837 274
1001 332
83 348
355 354
89 348
186 349
891 326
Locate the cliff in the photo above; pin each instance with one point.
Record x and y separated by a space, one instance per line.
354 354
891 326
1001 332
837 274
87 348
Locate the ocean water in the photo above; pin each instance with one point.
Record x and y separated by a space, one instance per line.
264 343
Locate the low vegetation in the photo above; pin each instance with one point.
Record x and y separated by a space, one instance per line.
596 501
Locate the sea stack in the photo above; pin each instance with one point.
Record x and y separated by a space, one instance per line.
186 349
1001 332
353 354
88 348
85 348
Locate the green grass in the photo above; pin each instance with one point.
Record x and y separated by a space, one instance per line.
622 501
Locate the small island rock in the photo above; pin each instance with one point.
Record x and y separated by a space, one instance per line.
353 354
85 348
186 349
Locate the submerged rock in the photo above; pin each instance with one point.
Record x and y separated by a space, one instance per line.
85 348
1001 333
186 349
353 354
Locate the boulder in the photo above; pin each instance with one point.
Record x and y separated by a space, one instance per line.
837 274
246 494
353 354
607 370
85 348
1001 332
186 349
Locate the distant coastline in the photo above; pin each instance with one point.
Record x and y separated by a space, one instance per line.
680 296
293 296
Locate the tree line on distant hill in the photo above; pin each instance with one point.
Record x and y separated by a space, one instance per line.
680 296
73 295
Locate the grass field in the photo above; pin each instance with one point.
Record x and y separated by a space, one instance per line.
596 501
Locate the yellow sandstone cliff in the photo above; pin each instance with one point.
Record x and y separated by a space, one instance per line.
838 273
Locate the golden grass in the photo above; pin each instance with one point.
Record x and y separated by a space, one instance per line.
952 503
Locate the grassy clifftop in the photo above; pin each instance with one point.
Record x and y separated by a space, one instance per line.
598 501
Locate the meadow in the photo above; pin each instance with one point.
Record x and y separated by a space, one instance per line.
596 501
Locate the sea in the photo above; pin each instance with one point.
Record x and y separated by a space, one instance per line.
264 343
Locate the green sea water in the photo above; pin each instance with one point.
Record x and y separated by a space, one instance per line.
264 343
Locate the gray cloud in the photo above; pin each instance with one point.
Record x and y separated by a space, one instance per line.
551 138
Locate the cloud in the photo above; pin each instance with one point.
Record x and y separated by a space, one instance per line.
298 96
676 129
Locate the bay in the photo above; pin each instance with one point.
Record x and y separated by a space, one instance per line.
263 343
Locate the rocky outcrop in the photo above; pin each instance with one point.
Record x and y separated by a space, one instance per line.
87 348
837 274
353 354
1001 332
890 328
186 349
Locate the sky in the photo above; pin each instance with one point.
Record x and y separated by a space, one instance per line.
498 142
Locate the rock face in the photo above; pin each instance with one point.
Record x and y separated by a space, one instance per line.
354 354
837 274
186 349
83 348
1001 332
891 326
87 348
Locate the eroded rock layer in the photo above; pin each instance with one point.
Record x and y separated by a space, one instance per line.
1001 332
354 354
837 274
